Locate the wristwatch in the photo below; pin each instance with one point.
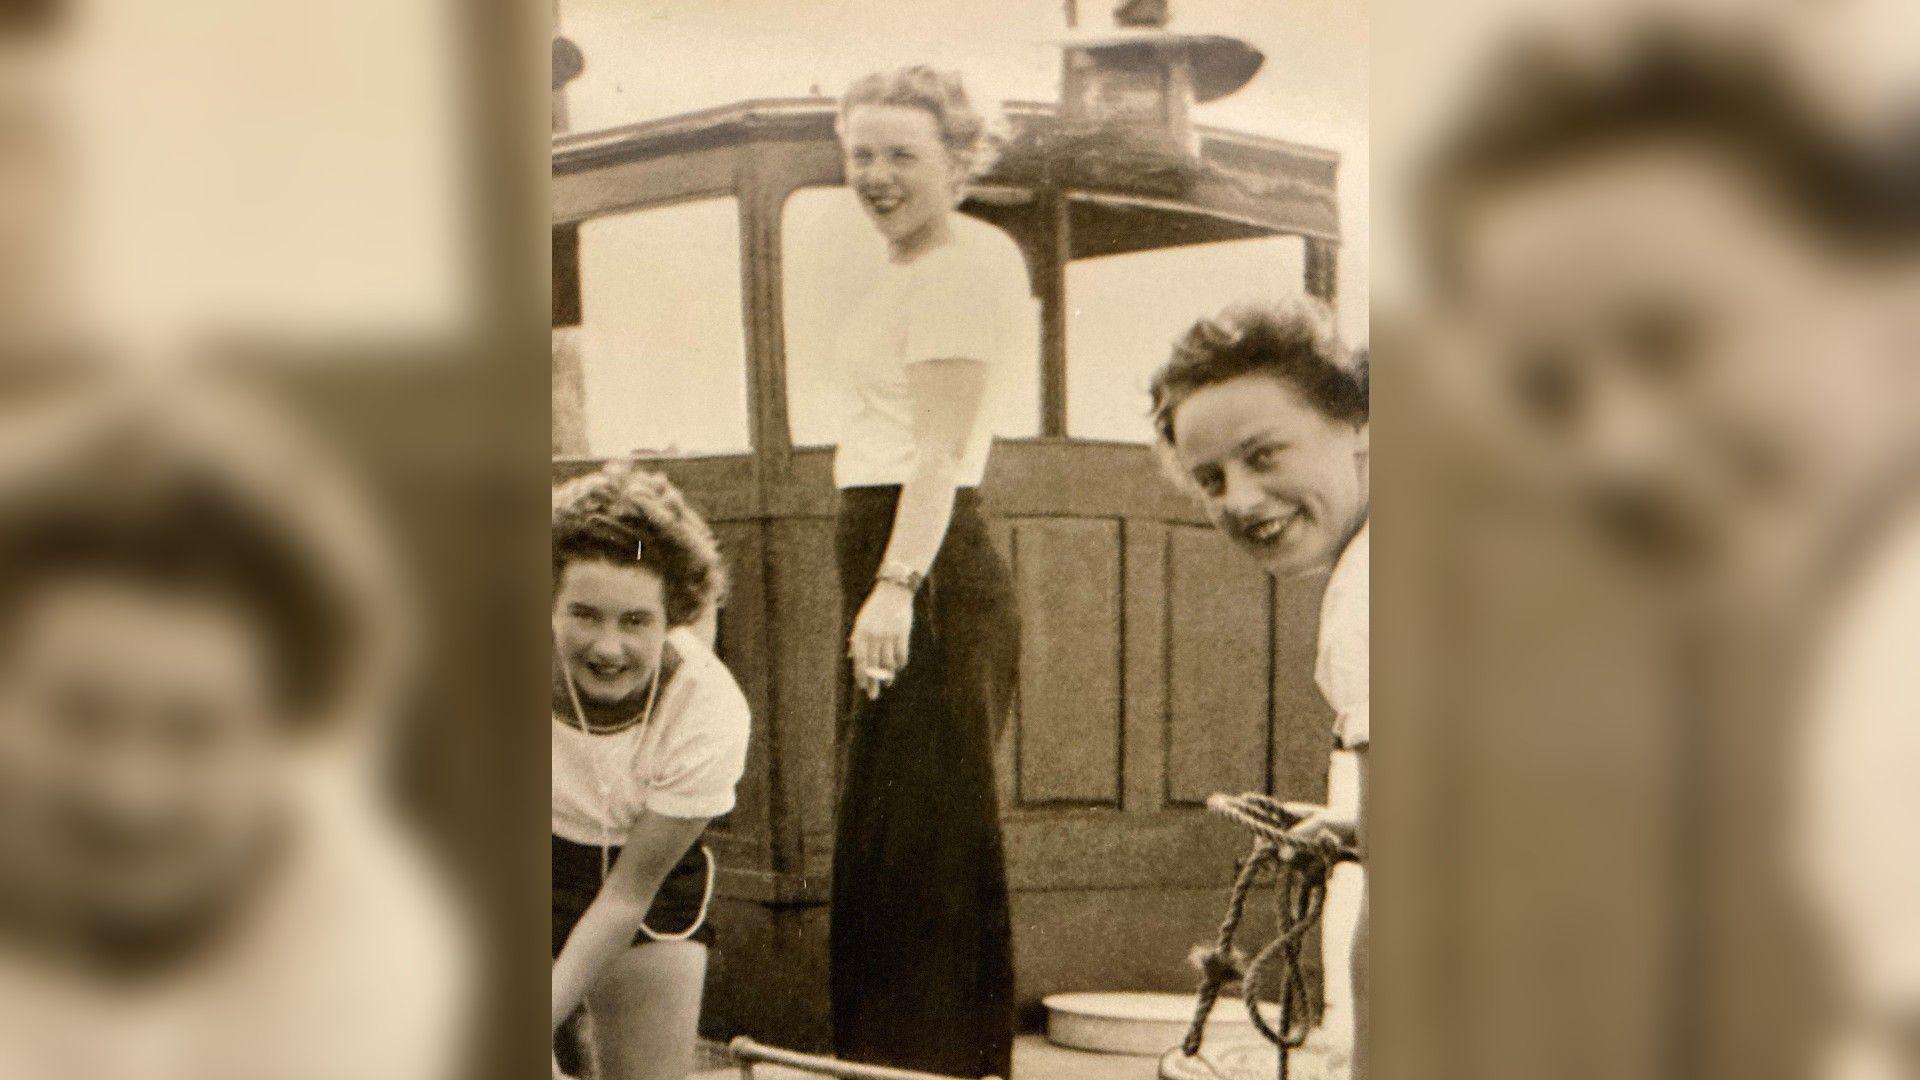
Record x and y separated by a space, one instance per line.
898 573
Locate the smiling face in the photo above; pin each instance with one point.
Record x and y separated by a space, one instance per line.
609 623
902 172
141 753
1677 352
1282 480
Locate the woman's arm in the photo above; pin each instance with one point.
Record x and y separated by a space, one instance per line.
1361 837
653 846
1346 824
1339 827
947 397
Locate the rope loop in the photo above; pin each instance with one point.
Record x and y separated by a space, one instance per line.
1280 971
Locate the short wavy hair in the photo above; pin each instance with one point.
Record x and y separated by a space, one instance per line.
630 516
1545 102
940 94
208 494
1292 342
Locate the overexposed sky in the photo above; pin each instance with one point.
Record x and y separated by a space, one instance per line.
282 171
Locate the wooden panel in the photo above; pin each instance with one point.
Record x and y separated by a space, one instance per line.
1219 660
1006 762
744 834
1100 940
1302 719
804 614
802 486
1067 574
1078 478
767 975
1144 767
1104 849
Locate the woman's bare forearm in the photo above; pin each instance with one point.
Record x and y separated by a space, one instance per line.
1364 754
653 846
926 509
947 401
609 924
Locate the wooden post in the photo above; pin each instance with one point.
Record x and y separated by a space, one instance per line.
1056 250
568 376
568 379
1323 260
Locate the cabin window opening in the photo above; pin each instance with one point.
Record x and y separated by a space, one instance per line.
660 351
829 255
1124 312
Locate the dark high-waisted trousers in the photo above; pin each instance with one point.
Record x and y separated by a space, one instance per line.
921 950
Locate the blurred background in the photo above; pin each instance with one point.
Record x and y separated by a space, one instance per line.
271 364
1645 631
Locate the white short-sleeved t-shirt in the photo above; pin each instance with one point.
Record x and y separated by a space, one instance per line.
966 299
1341 665
352 926
684 762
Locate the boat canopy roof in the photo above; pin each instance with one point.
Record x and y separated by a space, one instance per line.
1126 191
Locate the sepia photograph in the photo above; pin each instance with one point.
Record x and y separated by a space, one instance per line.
960 439
961 429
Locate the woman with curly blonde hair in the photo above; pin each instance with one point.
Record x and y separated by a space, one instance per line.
921 954
649 740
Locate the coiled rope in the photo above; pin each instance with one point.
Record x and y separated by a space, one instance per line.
1279 971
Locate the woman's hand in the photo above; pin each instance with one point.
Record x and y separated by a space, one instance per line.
1318 825
881 632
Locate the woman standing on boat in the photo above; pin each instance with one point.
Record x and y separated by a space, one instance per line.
921 956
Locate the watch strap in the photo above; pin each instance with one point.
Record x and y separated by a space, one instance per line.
894 573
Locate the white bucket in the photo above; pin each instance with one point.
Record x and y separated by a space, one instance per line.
1142 1024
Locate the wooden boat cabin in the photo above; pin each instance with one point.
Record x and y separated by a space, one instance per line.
702 264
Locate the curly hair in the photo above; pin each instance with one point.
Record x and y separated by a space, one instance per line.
1545 102
1292 342
629 516
940 94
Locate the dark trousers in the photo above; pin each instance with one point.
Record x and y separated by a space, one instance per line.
921 942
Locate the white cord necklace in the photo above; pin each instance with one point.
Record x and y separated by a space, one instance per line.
641 720
601 780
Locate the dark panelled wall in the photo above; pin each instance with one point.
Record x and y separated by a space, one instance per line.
1157 668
